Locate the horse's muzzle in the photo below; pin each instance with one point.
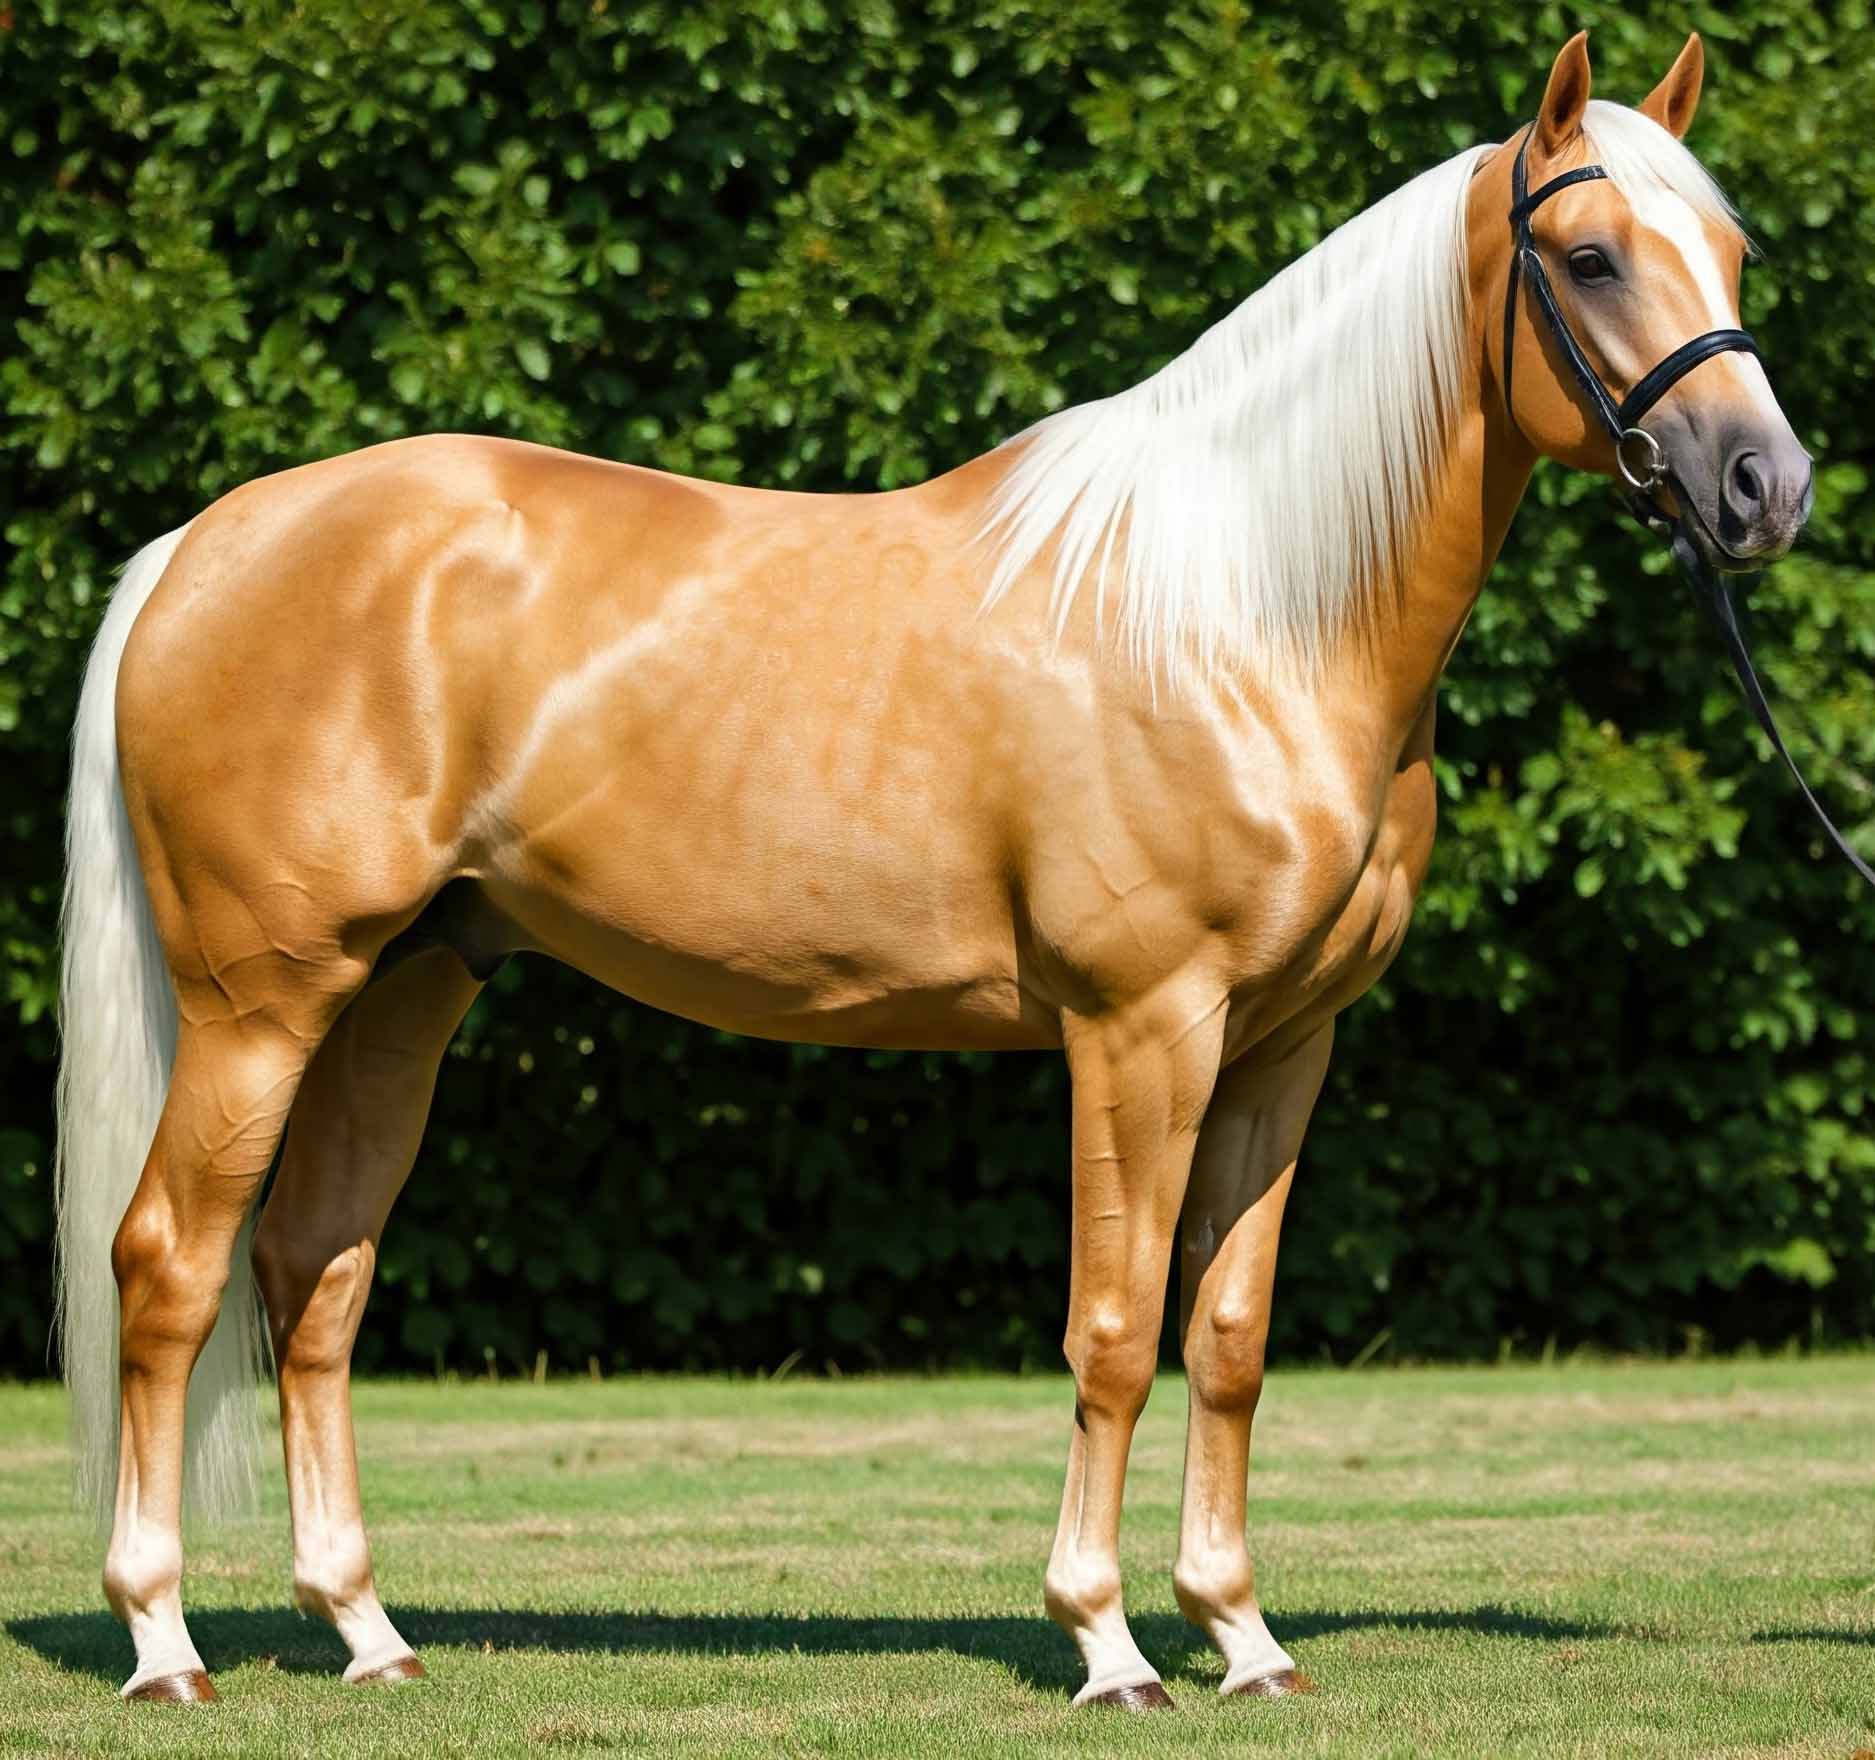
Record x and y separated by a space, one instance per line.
1754 497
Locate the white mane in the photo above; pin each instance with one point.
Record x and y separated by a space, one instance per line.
1247 502
1241 503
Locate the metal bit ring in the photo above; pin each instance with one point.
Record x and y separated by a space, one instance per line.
1649 478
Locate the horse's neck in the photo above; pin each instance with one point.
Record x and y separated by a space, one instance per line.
1392 668
1486 471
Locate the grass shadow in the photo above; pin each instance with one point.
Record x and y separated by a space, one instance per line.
1813 1635
1031 1648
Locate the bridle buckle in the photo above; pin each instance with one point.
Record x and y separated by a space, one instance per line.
1651 474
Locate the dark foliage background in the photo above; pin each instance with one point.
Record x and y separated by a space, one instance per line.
1617 1084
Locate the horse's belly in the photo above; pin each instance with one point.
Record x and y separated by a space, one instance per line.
793 989
838 954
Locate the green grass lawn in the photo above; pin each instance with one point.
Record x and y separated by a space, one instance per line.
1609 1560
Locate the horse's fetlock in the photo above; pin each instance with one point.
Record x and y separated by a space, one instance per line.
333 1583
1076 1594
1208 1584
141 1570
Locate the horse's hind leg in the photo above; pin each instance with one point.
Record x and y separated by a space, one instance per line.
231 1085
1233 1214
350 1143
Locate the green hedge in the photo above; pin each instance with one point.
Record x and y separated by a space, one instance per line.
1615 1086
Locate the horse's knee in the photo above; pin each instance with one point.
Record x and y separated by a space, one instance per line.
1113 1352
1224 1356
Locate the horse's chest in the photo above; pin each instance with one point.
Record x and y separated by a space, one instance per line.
1340 915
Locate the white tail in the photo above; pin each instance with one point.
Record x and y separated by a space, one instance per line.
117 1014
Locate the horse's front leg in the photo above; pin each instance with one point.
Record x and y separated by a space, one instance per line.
1233 1214
1141 1080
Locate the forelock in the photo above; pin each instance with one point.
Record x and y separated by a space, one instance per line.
1641 157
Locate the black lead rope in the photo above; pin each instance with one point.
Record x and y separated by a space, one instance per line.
1651 472
1715 599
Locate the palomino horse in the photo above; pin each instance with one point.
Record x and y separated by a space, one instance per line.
1118 739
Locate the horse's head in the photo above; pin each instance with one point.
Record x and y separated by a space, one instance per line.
1633 261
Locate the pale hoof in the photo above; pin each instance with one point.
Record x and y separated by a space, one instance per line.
191 1687
405 1668
1281 1685
1148 1696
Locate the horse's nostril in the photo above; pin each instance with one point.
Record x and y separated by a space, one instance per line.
1747 483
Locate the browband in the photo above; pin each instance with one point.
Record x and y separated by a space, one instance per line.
1526 205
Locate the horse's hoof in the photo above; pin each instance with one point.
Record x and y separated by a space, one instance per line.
1149 1696
405 1668
191 1687
1281 1685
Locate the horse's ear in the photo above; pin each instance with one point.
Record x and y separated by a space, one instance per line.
1559 116
1673 101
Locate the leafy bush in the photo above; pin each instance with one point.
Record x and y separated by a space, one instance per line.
1616 1085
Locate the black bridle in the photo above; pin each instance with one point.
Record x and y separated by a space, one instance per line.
1646 471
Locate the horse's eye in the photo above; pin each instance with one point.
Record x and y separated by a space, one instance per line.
1589 266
